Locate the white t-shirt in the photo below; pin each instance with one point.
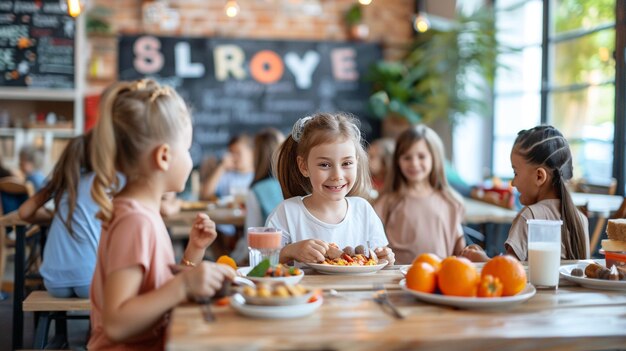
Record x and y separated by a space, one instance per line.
360 224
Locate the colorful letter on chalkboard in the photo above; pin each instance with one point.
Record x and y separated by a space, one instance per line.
184 67
266 67
148 57
302 69
229 59
344 65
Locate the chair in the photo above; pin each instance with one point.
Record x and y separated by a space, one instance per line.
607 188
13 192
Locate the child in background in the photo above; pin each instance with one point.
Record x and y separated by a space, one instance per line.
380 154
235 170
542 163
69 257
144 132
264 194
420 211
322 170
232 177
31 162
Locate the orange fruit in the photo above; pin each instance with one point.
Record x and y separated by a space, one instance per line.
510 272
429 258
227 260
458 277
421 277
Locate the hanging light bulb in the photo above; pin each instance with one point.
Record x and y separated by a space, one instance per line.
421 23
365 2
231 8
73 7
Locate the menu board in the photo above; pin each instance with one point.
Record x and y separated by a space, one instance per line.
240 86
36 44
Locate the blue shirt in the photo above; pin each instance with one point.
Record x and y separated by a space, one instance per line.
70 260
38 180
232 179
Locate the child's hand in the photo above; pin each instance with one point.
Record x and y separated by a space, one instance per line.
203 232
309 251
385 253
206 279
475 253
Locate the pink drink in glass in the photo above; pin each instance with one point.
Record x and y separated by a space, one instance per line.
264 242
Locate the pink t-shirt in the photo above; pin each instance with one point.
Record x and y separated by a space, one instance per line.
416 225
135 236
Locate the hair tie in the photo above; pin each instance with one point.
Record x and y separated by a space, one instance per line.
159 92
139 85
298 128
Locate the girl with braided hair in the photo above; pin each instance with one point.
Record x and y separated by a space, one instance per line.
542 164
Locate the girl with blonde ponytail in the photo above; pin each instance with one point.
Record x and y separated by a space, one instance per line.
144 132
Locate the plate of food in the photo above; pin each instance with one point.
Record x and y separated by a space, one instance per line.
276 274
275 295
358 260
593 275
327 268
473 302
275 312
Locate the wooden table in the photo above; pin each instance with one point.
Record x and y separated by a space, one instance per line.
571 318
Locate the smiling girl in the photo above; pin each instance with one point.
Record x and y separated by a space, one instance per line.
420 211
322 170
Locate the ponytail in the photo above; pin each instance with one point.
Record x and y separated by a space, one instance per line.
575 243
286 169
103 154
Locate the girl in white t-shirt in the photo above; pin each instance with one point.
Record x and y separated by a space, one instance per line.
322 170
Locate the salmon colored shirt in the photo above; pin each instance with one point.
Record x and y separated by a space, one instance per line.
416 225
136 236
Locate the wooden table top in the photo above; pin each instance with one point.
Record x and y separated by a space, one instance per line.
477 212
218 215
570 318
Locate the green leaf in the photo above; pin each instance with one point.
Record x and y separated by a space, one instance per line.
259 270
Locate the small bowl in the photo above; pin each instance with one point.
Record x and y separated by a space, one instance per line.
617 258
291 280
278 301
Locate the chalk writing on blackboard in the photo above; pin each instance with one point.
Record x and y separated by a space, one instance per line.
36 44
240 86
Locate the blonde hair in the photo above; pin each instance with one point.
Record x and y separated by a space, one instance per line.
133 117
321 128
396 182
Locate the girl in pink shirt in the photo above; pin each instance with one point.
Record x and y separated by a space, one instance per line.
420 211
144 132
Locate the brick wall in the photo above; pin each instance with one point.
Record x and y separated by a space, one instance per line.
389 20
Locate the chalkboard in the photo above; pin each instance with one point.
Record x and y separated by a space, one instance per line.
240 86
36 44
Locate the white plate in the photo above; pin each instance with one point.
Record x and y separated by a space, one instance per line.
274 312
404 269
332 269
295 279
473 302
590 282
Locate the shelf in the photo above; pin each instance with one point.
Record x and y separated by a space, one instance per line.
58 132
21 93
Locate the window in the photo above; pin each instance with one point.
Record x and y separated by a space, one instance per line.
578 94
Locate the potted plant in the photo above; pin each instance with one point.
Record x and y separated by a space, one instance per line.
357 30
445 74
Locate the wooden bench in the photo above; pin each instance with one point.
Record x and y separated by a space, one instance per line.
47 309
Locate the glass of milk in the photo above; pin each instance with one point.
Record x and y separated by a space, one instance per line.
544 253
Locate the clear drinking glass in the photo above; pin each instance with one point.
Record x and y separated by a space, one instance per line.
264 242
544 253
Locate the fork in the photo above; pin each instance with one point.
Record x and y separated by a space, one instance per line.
382 298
